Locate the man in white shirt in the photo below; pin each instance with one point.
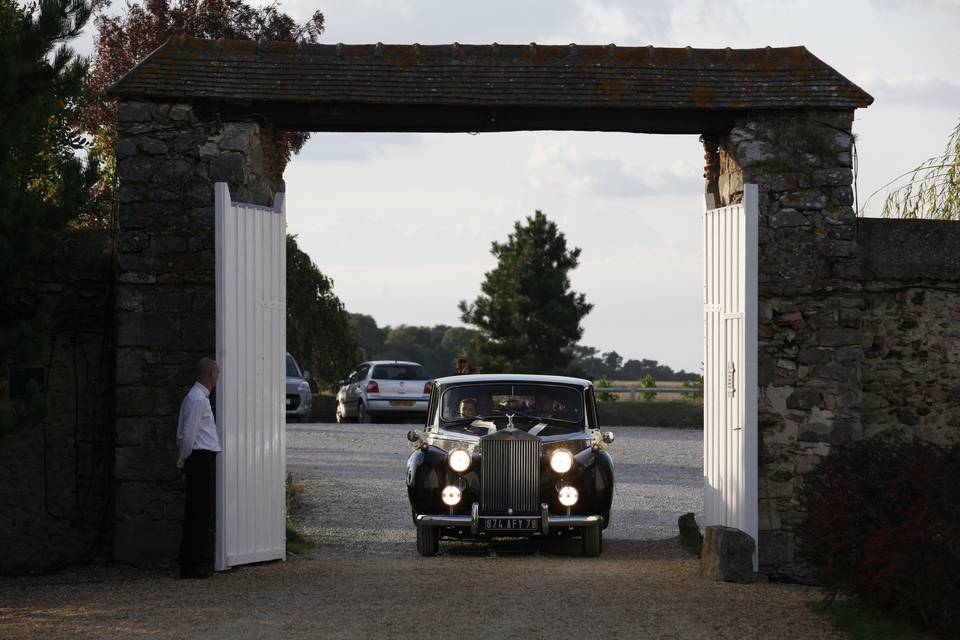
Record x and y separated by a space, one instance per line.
198 444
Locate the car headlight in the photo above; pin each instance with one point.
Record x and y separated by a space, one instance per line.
459 460
561 460
304 386
451 496
568 496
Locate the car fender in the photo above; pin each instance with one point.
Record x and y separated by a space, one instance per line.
594 479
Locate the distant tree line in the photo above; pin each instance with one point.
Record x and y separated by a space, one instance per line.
611 365
439 347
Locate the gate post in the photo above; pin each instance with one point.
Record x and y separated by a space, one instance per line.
169 154
810 337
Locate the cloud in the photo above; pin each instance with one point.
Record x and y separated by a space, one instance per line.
354 147
562 166
919 90
917 5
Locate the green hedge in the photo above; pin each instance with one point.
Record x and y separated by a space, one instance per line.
678 414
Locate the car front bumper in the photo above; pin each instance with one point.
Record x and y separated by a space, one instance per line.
547 520
298 404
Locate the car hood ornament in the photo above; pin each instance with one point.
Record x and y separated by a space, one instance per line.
510 426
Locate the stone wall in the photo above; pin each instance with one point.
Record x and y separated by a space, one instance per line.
56 365
169 157
810 303
911 327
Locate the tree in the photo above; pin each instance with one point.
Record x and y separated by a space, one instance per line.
319 332
527 316
43 184
123 40
932 190
648 383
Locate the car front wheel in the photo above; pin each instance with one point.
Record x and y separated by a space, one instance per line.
428 540
592 541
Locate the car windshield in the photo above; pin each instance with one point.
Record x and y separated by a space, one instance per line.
560 408
399 372
293 371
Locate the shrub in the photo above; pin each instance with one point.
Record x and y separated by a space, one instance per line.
882 525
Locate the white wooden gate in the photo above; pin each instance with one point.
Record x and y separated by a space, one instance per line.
251 303
730 365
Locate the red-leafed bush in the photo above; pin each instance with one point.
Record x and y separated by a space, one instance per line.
882 525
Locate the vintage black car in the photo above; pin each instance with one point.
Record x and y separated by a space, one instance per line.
510 455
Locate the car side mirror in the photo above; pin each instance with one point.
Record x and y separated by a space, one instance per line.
306 374
608 437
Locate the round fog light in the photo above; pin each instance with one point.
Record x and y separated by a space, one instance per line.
451 496
568 496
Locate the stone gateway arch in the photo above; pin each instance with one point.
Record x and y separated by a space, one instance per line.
197 112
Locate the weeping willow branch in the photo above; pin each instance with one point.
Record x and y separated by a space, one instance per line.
932 190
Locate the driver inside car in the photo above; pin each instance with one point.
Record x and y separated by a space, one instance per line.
544 406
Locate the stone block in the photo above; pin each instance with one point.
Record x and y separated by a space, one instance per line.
138 501
775 549
146 542
144 330
727 555
144 431
839 337
804 200
129 366
135 401
145 464
130 111
181 112
804 399
229 168
152 146
788 218
136 169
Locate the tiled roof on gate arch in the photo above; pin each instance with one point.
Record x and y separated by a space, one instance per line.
533 75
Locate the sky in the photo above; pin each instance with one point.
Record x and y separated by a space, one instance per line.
403 222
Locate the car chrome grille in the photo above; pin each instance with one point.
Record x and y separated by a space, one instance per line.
510 474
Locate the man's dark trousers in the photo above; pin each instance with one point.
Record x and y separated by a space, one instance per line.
196 550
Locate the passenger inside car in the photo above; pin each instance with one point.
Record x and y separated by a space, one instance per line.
468 408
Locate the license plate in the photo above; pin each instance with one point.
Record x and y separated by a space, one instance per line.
402 403
511 524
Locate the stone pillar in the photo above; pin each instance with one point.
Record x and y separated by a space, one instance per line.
169 155
810 304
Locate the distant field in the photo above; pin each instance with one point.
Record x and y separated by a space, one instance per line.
660 397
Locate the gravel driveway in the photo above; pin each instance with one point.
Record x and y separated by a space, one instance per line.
356 497
365 580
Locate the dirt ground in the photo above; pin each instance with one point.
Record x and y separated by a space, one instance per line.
644 589
364 580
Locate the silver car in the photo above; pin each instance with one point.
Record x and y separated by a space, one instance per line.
382 389
299 397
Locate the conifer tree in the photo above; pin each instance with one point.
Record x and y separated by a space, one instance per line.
527 316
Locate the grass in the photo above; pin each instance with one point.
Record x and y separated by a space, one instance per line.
297 543
859 623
